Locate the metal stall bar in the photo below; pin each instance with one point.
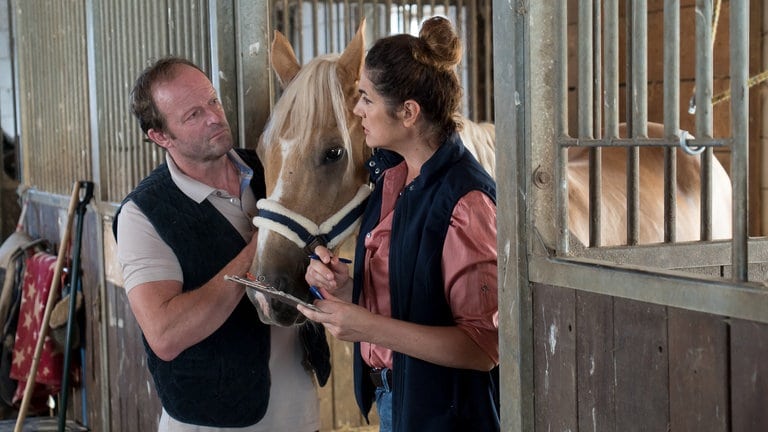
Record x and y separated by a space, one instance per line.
739 47
361 13
597 66
637 103
611 69
282 19
74 118
346 23
432 6
126 154
561 122
459 17
642 142
115 160
586 110
595 154
372 22
671 113
132 160
299 24
145 155
315 35
349 25
420 11
220 21
703 98
328 17
611 104
488 59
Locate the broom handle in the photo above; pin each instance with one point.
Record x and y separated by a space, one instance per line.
20 223
48 307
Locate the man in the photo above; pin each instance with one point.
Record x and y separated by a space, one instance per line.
180 231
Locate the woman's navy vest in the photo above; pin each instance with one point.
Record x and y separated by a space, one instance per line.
427 397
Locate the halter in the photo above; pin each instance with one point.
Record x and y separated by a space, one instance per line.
305 233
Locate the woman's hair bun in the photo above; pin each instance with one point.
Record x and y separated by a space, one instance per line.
438 44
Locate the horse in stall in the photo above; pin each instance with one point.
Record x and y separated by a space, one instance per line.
651 208
313 151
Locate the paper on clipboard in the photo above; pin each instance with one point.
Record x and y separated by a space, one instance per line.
272 292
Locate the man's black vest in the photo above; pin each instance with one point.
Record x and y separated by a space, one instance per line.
425 396
224 380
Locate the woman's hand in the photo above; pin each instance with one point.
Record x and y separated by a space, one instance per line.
443 345
329 273
344 320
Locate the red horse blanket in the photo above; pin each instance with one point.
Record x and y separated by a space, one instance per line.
38 274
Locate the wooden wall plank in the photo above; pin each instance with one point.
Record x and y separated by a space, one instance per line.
640 341
698 371
594 357
749 376
554 353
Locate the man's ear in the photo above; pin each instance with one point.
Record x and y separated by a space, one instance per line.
411 112
159 137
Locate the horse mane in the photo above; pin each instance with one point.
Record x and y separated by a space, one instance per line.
305 102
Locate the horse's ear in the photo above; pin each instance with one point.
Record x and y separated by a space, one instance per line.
351 60
283 59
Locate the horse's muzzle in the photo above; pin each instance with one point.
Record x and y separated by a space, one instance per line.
273 312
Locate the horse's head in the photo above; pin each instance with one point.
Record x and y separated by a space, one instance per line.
313 154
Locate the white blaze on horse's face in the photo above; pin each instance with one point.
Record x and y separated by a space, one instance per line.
262 306
313 153
287 148
259 300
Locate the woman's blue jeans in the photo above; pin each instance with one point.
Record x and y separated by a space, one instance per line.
384 407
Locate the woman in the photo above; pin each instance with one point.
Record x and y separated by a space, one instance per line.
422 307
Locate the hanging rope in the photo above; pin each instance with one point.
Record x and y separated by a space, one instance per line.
725 95
752 81
715 20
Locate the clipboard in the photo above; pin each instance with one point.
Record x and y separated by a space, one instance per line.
272 292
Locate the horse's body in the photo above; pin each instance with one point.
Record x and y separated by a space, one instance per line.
480 139
313 151
651 208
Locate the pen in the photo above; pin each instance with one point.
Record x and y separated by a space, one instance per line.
344 260
316 292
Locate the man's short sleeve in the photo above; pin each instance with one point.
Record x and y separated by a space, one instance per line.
143 255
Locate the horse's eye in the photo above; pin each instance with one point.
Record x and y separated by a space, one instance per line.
333 154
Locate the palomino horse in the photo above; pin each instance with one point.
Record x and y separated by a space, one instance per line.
314 156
